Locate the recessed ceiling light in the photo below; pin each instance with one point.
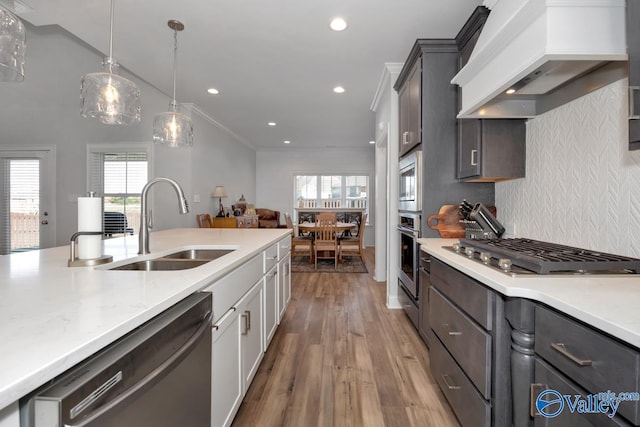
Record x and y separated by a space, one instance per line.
213 91
338 89
287 142
338 24
271 123
511 91
372 142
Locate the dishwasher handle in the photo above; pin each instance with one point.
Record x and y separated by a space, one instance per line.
154 376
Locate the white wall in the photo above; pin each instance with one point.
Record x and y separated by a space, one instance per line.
44 110
275 171
582 184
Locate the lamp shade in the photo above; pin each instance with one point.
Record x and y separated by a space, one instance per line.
173 129
219 191
112 99
12 47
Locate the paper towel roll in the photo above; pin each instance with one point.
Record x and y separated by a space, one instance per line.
89 219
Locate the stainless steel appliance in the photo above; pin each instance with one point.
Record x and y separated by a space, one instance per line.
157 376
410 180
520 257
408 283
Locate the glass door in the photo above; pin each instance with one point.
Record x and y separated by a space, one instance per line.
26 196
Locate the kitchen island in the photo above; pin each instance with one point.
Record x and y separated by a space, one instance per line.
53 316
573 334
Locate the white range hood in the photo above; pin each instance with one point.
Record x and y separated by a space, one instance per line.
540 48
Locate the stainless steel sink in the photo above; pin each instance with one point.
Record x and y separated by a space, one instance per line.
160 264
198 254
181 260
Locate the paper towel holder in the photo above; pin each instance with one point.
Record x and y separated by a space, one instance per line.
75 262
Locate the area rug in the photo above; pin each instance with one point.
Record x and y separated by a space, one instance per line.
300 264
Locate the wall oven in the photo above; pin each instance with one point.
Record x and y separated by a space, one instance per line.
408 283
410 179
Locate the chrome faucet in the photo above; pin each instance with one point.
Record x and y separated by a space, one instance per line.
183 207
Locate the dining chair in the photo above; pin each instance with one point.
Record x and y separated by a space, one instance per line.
353 246
204 220
300 245
326 216
326 240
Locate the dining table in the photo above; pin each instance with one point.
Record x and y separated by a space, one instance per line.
311 227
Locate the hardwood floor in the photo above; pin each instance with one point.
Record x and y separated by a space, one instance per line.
341 358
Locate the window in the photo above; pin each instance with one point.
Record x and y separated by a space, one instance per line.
119 176
332 191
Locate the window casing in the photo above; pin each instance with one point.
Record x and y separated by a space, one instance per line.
332 191
118 175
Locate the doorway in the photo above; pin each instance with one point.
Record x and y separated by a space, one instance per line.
27 197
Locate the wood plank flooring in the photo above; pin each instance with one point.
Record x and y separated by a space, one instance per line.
341 358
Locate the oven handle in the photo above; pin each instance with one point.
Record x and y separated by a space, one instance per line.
406 230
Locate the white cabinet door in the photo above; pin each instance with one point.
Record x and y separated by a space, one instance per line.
250 309
226 373
9 416
284 276
270 305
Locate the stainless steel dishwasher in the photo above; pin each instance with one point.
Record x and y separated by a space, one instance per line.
159 375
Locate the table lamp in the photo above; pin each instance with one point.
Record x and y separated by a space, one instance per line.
220 193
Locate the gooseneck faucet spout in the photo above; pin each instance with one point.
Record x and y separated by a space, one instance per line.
183 207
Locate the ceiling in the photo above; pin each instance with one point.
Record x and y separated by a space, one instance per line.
272 61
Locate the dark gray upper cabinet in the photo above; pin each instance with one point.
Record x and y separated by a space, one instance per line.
409 99
489 150
633 46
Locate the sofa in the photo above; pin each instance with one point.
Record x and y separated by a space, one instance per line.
268 218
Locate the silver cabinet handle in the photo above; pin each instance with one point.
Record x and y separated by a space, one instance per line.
247 322
449 331
562 349
632 113
446 382
405 137
474 157
216 325
272 257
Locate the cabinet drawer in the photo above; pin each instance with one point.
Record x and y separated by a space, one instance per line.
589 358
284 247
468 405
469 344
475 299
548 378
270 258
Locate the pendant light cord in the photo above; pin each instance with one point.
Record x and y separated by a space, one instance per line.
110 58
175 66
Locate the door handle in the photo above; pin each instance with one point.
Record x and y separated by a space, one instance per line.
474 157
44 222
562 349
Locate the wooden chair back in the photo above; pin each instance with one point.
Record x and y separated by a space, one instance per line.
326 216
204 220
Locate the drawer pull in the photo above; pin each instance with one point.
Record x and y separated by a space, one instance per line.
446 382
562 349
271 258
450 332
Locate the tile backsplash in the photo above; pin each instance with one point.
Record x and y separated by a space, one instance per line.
582 185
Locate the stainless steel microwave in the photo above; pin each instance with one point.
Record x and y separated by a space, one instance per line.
410 169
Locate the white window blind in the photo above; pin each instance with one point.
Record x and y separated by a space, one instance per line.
20 208
119 177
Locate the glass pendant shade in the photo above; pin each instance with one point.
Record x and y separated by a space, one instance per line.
110 98
107 96
173 129
12 47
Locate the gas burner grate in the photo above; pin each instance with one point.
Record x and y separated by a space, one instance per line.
546 258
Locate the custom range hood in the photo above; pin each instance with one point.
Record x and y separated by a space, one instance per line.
544 53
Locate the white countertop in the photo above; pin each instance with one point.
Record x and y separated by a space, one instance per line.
609 303
53 316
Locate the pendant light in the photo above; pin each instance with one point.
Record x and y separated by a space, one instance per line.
112 99
173 128
12 47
